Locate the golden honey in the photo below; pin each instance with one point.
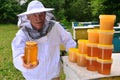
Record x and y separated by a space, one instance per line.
91 63
107 22
93 49
104 66
93 35
72 54
31 52
81 60
105 51
106 37
82 46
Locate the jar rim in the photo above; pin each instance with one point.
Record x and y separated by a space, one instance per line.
31 43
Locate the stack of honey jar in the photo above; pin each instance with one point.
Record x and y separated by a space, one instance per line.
95 53
78 55
105 46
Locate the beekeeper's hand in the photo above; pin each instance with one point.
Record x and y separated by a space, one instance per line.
30 65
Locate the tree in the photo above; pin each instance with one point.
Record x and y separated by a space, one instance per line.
58 5
8 11
67 9
112 7
105 7
97 7
79 10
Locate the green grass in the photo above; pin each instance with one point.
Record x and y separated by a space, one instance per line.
7 69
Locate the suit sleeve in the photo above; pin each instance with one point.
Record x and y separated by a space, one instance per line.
18 45
66 38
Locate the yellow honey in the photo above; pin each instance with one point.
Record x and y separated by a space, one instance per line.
92 63
93 35
104 66
106 37
105 51
81 60
72 54
82 46
31 52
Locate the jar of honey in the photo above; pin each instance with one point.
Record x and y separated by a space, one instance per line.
82 46
93 35
91 63
106 37
81 60
31 53
107 22
72 54
105 51
93 49
104 66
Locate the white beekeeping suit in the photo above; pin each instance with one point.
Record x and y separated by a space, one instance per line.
21 20
48 47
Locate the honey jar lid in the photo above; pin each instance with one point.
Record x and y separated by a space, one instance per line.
107 31
82 41
92 44
31 43
91 58
107 16
80 54
73 50
105 46
104 61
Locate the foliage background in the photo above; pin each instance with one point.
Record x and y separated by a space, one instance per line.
65 10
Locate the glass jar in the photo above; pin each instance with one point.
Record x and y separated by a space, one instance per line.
31 52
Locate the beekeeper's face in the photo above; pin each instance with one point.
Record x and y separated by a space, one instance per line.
37 20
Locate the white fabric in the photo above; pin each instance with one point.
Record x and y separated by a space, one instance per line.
23 19
35 7
48 53
50 16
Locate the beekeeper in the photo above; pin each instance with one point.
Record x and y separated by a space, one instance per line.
49 34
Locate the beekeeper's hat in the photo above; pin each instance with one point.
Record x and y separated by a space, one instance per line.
35 7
